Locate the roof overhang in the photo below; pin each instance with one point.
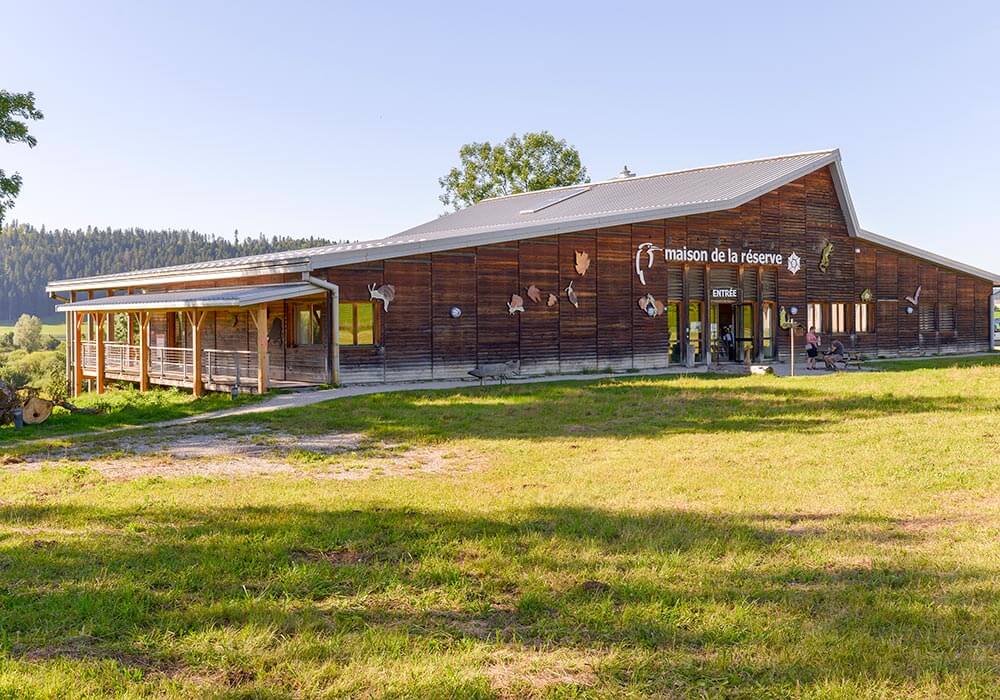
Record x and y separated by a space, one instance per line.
991 277
176 275
210 298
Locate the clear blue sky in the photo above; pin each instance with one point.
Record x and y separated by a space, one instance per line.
316 119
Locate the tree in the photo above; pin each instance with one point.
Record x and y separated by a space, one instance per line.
535 161
28 333
15 110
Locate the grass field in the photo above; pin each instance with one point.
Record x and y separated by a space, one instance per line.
121 407
51 325
834 536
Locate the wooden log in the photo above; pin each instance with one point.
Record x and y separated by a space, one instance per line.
37 410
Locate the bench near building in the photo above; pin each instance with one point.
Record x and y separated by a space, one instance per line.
693 267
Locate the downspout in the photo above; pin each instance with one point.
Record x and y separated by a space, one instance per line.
334 377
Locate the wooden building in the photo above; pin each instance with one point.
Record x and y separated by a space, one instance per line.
684 268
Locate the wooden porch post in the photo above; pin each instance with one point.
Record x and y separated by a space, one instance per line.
197 319
77 353
144 350
259 316
101 320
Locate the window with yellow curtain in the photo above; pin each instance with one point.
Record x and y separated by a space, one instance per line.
358 323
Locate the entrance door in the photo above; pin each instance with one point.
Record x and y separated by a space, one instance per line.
723 327
744 332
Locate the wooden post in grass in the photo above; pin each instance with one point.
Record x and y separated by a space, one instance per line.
101 320
77 353
259 317
791 336
197 319
144 350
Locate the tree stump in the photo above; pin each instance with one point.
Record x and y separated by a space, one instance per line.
37 410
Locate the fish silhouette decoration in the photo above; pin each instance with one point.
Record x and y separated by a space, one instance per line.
915 299
552 300
571 295
386 293
515 304
582 262
535 294
824 257
867 296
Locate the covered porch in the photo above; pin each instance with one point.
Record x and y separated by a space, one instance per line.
248 338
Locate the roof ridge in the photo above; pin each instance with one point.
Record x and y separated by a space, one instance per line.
611 180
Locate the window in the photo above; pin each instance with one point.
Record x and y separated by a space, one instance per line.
927 320
838 318
308 326
946 318
672 312
694 330
815 317
767 330
358 323
862 315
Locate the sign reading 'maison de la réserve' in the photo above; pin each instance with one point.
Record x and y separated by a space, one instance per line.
715 255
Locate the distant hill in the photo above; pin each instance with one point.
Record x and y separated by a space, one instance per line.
30 257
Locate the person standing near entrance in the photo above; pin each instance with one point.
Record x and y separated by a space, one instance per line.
812 347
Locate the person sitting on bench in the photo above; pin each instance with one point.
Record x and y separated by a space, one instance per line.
834 355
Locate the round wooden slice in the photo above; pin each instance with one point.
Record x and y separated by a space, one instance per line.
37 410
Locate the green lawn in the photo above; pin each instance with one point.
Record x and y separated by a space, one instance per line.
119 408
818 537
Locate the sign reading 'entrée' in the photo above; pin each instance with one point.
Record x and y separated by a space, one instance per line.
715 255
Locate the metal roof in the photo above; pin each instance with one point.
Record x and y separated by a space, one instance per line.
627 200
886 242
531 214
222 297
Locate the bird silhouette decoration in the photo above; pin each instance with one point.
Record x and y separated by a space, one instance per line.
571 295
915 299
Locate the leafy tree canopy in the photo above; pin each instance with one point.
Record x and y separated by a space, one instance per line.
28 333
536 161
16 109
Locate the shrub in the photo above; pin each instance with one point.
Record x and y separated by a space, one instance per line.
28 332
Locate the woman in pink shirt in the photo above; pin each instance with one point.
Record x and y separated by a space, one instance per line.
812 347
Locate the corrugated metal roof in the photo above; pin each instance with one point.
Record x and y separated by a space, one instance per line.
714 185
222 297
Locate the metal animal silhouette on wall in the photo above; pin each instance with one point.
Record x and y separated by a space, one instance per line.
824 257
571 295
552 300
582 262
535 294
386 293
915 299
651 306
515 304
648 249
867 296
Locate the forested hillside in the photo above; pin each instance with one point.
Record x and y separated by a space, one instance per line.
30 257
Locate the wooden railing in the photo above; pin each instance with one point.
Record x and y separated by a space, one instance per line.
174 364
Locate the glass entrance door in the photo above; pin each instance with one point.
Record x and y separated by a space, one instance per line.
744 332
767 331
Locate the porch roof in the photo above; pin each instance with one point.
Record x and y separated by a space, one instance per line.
211 298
